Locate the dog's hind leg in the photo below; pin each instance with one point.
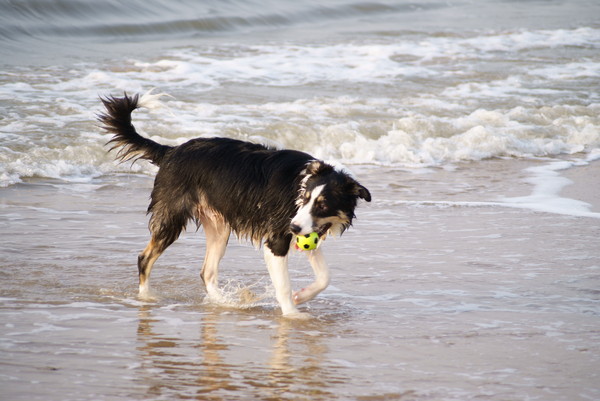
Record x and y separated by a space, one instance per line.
217 236
317 261
165 227
146 260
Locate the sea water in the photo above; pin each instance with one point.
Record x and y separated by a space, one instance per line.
472 274
353 82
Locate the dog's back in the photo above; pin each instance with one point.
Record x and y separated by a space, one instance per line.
252 186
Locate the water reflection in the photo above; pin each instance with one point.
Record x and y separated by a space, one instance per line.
225 357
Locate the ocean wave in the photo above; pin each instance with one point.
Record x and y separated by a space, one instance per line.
315 126
410 100
461 64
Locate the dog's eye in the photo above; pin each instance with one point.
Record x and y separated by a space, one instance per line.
306 197
320 206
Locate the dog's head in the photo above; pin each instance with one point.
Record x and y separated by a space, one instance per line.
326 201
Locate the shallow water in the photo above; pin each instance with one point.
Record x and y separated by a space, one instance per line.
473 274
447 301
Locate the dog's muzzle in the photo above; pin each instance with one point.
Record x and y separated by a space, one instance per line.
321 231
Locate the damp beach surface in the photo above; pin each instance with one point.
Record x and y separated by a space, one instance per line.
473 274
457 297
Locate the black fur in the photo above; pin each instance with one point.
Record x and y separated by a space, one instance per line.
117 121
248 184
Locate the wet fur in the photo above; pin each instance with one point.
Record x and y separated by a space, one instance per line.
227 186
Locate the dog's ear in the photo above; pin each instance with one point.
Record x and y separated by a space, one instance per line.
317 167
362 192
358 190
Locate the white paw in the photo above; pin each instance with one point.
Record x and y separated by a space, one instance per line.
301 296
144 294
215 295
298 316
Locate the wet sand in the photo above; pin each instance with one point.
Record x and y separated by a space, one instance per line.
585 187
438 293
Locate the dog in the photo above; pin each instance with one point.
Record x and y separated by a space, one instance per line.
225 185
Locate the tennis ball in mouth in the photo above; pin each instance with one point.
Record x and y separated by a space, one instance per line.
307 242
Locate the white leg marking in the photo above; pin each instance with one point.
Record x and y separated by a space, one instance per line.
144 288
278 270
317 261
144 291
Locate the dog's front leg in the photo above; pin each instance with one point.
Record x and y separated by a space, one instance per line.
278 270
317 261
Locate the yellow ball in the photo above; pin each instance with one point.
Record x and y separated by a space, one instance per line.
307 242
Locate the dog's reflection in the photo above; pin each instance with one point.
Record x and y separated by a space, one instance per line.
286 360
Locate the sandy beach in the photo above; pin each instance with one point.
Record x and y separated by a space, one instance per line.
585 188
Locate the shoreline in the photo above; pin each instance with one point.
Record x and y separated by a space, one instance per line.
584 184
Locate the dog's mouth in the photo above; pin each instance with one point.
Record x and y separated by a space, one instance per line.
323 230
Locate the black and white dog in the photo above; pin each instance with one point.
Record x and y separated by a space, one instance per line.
259 193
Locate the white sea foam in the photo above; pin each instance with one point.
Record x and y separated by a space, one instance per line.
547 185
415 140
413 100
569 71
286 65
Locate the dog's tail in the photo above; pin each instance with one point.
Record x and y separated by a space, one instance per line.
117 120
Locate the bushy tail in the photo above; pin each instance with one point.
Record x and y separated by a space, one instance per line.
117 120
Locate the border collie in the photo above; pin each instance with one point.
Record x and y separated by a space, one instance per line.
226 185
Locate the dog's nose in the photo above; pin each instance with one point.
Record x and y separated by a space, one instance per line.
295 228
